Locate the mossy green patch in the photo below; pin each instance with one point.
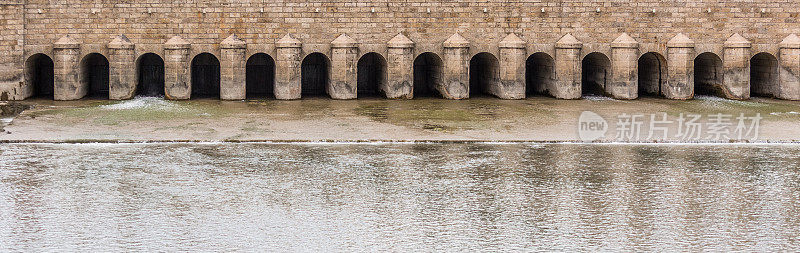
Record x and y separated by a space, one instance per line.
104 113
447 115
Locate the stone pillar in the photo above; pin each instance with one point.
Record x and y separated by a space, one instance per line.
512 69
66 70
456 68
789 69
680 68
232 69
176 69
624 77
568 68
736 68
400 67
122 69
344 69
287 68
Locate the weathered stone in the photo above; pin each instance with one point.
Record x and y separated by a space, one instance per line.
31 28
512 69
344 75
122 69
456 68
736 68
176 69
568 68
624 83
287 68
400 68
66 70
789 69
680 62
232 68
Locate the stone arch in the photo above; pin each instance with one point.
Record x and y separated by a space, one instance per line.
764 79
94 70
595 73
314 74
39 75
540 73
260 76
708 75
427 74
150 75
372 75
484 73
652 73
205 76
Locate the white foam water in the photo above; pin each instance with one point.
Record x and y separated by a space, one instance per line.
149 103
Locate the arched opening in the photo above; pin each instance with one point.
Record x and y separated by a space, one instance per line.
708 75
484 72
205 76
540 73
314 74
39 75
652 73
764 75
595 71
94 75
427 75
371 75
150 76
260 81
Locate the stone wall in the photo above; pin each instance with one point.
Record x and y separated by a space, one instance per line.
33 26
11 50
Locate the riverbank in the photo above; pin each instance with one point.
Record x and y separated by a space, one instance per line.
486 119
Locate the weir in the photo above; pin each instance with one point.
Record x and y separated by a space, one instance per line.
372 76
380 49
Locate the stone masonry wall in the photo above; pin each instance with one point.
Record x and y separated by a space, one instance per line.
11 49
33 26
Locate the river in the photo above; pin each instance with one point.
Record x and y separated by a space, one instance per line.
399 197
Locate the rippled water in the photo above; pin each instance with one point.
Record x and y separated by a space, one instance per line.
399 197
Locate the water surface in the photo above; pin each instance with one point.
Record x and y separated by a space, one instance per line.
399 197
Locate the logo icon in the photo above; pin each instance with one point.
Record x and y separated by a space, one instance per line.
591 126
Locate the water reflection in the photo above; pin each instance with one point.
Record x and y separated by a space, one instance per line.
398 197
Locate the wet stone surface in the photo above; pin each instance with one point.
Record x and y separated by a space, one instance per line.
323 119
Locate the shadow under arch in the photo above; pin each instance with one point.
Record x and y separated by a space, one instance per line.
94 75
708 75
40 76
652 74
484 73
428 70
260 76
205 76
595 73
314 75
372 75
150 75
540 74
764 75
